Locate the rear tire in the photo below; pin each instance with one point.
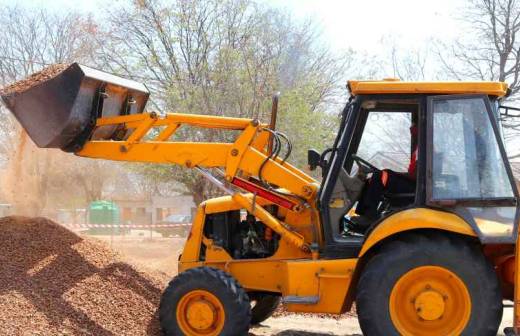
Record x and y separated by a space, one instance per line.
429 284
264 305
204 301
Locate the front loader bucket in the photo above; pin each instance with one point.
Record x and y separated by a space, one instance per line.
58 106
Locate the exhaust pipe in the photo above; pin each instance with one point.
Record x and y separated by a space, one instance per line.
58 106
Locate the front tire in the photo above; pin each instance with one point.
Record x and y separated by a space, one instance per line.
429 284
204 301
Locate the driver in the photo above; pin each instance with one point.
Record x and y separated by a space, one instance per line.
388 181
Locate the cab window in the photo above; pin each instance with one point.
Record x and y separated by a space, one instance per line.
468 168
466 159
386 142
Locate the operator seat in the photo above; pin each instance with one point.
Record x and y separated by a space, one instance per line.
346 192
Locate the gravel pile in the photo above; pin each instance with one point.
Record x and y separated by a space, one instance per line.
53 282
34 79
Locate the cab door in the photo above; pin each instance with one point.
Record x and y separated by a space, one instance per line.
467 169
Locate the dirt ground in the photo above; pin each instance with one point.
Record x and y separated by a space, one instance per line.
157 253
160 254
295 325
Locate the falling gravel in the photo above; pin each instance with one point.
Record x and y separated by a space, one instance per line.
34 79
53 282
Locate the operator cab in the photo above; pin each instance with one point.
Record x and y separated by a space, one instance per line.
405 145
384 156
378 175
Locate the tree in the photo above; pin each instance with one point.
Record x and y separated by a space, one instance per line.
222 57
411 65
489 50
396 60
490 47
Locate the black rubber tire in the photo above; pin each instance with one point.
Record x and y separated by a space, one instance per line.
232 296
397 257
264 307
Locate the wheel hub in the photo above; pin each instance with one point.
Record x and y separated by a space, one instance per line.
200 314
430 301
429 305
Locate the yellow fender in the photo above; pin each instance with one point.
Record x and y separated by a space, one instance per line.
418 218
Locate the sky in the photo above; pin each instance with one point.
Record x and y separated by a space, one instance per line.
364 25
359 24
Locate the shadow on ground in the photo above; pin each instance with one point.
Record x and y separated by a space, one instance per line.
262 330
40 262
299 333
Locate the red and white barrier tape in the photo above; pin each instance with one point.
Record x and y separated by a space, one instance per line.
127 226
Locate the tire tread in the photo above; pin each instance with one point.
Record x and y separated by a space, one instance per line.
428 245
236 299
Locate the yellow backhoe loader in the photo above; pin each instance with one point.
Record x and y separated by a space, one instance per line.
415 219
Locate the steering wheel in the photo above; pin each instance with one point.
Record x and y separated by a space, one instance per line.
370 168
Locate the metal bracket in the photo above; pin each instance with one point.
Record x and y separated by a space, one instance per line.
306 300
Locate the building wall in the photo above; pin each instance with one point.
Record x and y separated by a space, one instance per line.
165 206
153 210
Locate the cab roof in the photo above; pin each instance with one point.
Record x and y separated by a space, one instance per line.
393 86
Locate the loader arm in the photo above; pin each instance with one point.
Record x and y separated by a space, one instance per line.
149 141
96 114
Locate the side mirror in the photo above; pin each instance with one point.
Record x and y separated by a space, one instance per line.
313 159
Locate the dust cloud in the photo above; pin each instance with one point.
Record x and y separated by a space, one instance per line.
23 180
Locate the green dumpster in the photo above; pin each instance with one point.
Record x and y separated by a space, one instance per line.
104 213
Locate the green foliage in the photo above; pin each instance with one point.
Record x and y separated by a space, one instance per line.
305 126
227 57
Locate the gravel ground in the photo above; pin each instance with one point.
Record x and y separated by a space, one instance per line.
53 282
34 79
